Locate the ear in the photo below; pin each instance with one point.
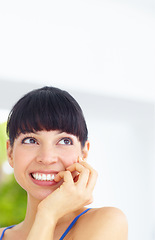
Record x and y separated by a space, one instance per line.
9 153
85 150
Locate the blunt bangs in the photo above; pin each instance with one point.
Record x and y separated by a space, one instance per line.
48 109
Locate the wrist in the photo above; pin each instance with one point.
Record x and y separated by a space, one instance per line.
45 217
42 228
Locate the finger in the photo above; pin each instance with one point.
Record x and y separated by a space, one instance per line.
75 167
85 164
83 176
65 175
92 176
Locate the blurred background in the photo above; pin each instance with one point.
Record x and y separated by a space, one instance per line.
103 53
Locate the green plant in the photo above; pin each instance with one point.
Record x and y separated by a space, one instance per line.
3 138
12 196
12 203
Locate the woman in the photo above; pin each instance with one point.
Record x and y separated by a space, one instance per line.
48 149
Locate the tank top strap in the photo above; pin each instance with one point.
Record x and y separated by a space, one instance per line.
72 223
64 234
5 230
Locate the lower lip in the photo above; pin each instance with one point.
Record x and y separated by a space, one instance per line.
43 183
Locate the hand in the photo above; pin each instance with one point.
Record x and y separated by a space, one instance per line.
71 195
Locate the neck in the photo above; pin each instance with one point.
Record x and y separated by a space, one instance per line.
32 205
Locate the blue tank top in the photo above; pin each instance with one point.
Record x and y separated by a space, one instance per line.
65 233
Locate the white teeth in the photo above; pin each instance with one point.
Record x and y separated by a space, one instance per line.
39 177
48 177
52 177
43 176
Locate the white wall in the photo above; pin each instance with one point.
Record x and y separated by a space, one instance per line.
103 46
121 134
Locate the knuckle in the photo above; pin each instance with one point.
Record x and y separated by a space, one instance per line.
90 200
76 165
95 173
89 197
87 171
67 173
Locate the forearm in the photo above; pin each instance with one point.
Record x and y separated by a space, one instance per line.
42 228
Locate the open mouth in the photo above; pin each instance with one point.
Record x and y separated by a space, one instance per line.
43 177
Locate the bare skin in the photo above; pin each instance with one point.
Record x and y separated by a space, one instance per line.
51 208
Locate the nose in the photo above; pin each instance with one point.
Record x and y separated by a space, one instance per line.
47 155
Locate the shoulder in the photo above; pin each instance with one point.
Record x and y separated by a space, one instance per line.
107 215
103 223
1 230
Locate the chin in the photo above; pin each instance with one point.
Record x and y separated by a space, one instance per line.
41 195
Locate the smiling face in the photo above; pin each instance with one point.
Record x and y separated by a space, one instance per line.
38 157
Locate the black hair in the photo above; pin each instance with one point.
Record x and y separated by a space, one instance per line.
47 108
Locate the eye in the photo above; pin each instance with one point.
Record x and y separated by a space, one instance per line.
66 141
29 140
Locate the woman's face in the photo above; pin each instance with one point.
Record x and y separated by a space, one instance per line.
38 157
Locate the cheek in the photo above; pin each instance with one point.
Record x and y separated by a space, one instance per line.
20 161
20 166
70 158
